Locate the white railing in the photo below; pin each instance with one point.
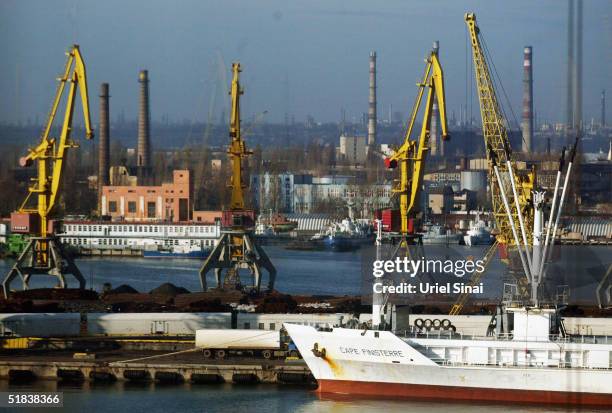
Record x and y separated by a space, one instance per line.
447 335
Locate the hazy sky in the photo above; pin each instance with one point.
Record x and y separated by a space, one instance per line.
301 57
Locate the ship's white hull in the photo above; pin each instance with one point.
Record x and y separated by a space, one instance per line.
354 362
473 240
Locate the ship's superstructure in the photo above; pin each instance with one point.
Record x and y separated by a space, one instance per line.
143 235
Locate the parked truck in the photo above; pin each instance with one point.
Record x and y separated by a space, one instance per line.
258 343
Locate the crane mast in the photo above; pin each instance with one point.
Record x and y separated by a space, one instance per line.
237 149
43 255
237 249
497 145
518 208
412 154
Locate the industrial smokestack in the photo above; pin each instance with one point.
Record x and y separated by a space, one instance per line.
104 149
578 72
569 103
143 154
603 108
527 124
372 102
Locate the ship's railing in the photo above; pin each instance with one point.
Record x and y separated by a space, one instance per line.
447 335
562 364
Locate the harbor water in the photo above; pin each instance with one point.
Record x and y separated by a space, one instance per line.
187 398
328 272
299 272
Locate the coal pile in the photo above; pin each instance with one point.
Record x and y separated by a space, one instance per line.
169 289
123 289
209 306
141 307
55 294
277 303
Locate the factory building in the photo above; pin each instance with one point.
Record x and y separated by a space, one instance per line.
275 192
352 150
440 200
473 180
325 190
302 193
166 202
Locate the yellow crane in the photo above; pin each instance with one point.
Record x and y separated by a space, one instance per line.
498 148
237 149
499 153
43 253
412 154
237 249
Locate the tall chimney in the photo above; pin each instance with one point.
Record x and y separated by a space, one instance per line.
103 150
143 153
578 70
569 103
372 101
527 125
603 108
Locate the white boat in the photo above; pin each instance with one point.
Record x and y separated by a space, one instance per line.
529 366
347 234
478 234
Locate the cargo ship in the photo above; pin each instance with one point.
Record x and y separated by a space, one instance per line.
525 356
528 366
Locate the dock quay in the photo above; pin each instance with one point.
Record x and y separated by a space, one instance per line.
174 369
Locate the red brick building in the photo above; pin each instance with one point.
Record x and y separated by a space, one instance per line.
167 202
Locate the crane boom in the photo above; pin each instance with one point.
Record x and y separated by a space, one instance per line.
500 157
237 149
498 150
51 152
412 155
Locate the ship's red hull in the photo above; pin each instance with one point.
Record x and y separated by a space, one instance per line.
416 391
